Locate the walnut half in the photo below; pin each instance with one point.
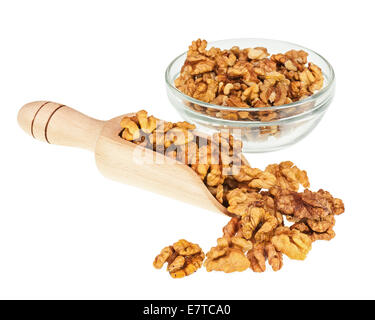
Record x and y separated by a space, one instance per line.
183 258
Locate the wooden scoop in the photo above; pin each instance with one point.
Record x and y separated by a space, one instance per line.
58 124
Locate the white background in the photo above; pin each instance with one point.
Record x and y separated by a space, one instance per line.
67 232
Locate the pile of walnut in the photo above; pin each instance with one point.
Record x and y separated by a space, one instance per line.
260 201
246 78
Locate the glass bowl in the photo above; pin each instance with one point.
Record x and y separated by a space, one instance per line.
283 126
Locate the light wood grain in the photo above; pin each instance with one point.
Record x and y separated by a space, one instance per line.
116 158
58 124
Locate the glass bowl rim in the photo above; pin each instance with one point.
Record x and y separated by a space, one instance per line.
330 84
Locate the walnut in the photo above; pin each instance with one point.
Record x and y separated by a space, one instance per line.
227 142
214 176
233 260
293 60
257 258
311 78
274 257
205 156
256 178
234 184
186 84
138 127
198 46
288 176
257 53
163 126
205 90
293 243
183 258
263 252
221 100
240 201
327 235
217 192
225 258
255 228
269 205
131 130
147 124
228 115
186 248
198 58
192 264
241 243
262 180
178 136
177 264
234 101
274 91
231 228
317 229
229 254
163 257
224 60
185 125
269 130
259 224
188 153
322 224
258 251
250 94
173 139
243 71
264 67
308 204
228 87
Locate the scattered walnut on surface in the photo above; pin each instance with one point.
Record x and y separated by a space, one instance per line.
230 253
274 257
313 212
255 178
163 257
308 204
257 258
231 228
262 252
183 258
241 201
288 176
232 260
293 243
258 224
321 229
318 228
227 256
254 245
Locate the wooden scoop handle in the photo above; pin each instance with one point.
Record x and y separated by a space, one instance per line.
58 124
